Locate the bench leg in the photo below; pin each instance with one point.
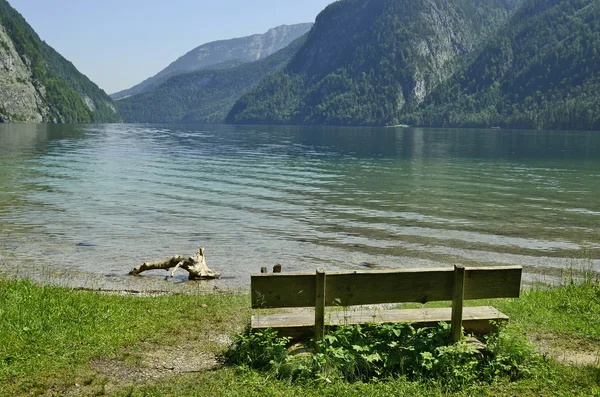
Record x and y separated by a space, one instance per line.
457 302
320 306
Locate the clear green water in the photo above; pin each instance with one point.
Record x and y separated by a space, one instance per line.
339 198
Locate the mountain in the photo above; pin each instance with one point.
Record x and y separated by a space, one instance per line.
38 85
365 61
220 54
541 71
204 96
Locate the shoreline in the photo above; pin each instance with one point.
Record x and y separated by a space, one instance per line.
153 283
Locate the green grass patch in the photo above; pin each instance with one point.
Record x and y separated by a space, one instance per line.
51 337
245 382
569 310
45 330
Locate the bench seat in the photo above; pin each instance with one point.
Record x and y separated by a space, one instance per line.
298 324
361 288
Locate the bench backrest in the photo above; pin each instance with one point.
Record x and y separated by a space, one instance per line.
285 290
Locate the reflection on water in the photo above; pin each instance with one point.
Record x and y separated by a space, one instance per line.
100 199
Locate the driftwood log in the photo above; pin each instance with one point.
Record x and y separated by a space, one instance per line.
196 266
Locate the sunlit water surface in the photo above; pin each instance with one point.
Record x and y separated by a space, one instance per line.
84 204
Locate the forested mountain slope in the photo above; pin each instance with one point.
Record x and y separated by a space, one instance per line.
204 96
366 61
541 71
38 85
223 54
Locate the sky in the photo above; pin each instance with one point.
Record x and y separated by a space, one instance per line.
119 43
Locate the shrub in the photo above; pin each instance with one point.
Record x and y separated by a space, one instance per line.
258 350
375 352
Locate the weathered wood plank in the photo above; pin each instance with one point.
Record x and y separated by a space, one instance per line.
297 324
493 282
283 290
375 287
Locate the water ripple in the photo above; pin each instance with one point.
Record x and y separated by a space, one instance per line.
85 197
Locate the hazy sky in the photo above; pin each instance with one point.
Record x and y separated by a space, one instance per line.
119 43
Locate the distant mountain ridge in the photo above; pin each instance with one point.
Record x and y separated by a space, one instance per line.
203 96
37 84
221 54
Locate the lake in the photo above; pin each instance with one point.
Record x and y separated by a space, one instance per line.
83 204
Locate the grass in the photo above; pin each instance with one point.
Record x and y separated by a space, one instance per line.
47 331
570 310
235 382
51 340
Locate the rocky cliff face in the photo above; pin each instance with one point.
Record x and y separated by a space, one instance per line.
37 84
223 54
367 61
251 48
19 99
540 71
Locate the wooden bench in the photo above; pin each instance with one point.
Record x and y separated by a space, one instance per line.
297 290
